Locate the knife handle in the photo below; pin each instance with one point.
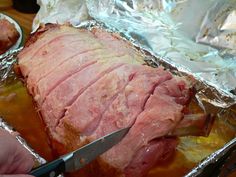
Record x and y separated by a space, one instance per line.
51 169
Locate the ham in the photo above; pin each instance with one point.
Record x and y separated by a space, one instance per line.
8 35
87 84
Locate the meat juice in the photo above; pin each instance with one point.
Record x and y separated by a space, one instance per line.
17 108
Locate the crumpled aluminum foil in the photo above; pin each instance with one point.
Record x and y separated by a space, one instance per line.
218 28
7 61
213 158
57 11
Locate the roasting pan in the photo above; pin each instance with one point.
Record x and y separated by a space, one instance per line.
138 26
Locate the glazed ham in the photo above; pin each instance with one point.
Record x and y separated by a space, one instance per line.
90 83
8 35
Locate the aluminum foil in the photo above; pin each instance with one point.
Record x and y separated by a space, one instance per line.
7 61
212 159
57 11
218 28
10 129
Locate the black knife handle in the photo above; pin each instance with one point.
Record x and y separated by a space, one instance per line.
51 169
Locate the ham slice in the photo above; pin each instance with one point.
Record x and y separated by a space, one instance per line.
8 35
90 83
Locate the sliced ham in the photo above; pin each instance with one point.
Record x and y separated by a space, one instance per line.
87 84
53 32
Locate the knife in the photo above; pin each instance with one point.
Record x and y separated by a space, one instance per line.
81 157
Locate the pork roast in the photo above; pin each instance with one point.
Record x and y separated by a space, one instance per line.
90 83
8 35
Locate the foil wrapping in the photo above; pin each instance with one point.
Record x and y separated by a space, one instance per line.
212 159
7 61
57 11
218 28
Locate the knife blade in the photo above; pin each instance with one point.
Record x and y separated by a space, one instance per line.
81 157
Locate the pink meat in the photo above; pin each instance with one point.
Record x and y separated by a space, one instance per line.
90 83
106 90
176 88
130 103
152 123
149 155
112 42
56 59
42 54
68 91
51 35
